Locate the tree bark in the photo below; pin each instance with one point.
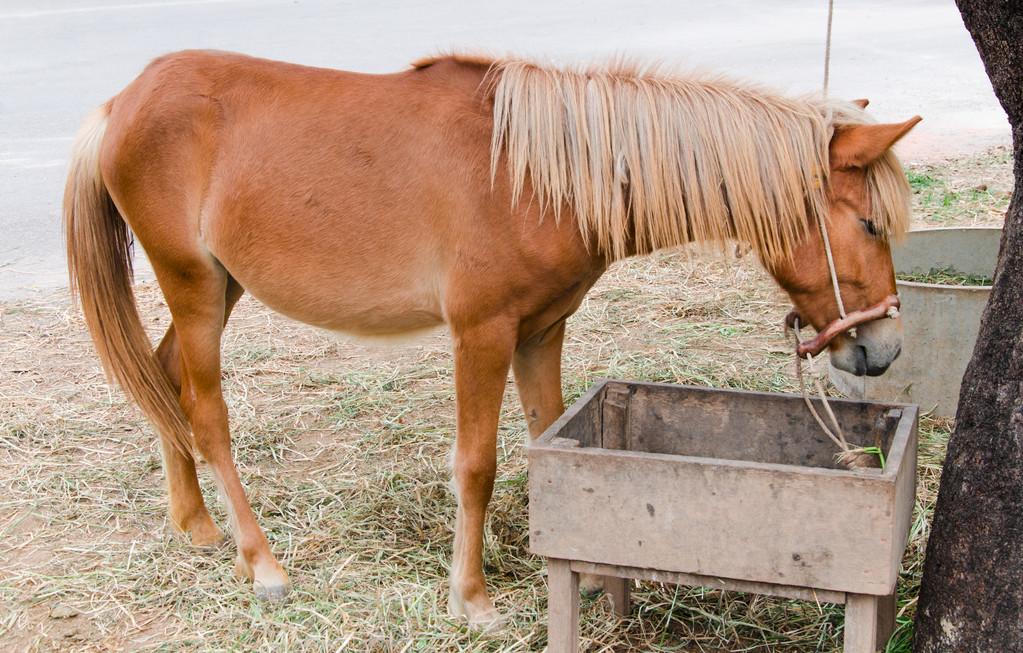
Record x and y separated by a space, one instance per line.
971 597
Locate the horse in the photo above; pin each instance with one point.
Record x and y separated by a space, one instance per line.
484 194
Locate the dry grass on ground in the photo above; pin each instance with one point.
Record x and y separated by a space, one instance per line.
343 447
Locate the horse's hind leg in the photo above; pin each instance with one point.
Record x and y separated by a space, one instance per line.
537 367
197 294
187 510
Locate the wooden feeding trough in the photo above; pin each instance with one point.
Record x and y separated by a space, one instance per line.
723 489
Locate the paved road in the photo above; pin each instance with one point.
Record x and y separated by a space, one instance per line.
59 58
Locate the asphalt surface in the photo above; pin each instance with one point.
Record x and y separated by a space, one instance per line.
60 58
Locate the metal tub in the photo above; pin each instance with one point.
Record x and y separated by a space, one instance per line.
940 322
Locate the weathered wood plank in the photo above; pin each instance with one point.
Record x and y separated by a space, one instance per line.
714 518
696 580
581 421
902 462
562 607
887 609
621 594
860 624
614 407
771 428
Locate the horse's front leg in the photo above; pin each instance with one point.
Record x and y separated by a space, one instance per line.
483 353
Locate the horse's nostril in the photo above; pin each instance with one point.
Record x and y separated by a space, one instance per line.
861 360
874 369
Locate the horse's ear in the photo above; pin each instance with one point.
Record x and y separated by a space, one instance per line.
856 146
861 103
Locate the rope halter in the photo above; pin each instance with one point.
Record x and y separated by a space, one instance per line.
846 322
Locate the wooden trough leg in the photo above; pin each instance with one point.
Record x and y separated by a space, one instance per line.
562 607
886 611
861 633
618 590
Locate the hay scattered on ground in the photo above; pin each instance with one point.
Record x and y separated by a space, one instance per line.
343 449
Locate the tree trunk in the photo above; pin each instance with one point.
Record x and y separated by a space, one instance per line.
971 598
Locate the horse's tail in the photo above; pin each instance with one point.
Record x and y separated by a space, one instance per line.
99 261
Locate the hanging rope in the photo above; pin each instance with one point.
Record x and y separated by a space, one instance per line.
827 47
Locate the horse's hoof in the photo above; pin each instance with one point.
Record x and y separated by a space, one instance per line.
483 618
271 593
488 622
201 531
208 542
269 581
591 585
207 538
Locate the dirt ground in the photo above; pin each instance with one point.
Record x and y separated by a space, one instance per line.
343 448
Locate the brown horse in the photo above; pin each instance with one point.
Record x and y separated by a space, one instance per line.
485 195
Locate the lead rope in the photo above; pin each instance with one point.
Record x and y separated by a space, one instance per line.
837 436
851 457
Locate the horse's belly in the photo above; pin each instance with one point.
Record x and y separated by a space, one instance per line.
379 299
358 309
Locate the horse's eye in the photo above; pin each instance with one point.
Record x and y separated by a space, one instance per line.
869 226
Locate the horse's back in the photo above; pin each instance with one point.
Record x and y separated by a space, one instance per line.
334 197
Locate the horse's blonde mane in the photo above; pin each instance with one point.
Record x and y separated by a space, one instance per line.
646 161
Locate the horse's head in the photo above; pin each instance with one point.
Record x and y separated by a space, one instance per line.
864 188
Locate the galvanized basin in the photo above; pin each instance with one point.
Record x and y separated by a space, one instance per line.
940 322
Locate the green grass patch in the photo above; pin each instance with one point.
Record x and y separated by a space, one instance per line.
921 180
946 277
